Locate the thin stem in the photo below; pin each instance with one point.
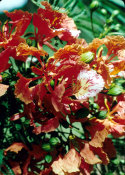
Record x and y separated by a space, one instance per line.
50 46
110 58
55 3
98 169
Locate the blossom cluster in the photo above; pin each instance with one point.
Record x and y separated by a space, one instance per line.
79 84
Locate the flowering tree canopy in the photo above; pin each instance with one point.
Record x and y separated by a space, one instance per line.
78 84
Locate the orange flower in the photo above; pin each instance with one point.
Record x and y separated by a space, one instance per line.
24 50
70 51
106 65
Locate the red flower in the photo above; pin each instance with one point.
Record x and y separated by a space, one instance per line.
20 21
26 158
11 39
51 23
4 58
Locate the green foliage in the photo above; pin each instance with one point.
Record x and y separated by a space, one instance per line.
1 157
116 90
82 113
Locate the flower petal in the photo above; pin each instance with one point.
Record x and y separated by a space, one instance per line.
69 164
24 50
20 19
3 89
109 148
4 58
89 84
22 90
88 155
98 133
48 126
15 147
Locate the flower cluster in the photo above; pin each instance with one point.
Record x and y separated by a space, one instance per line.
79 88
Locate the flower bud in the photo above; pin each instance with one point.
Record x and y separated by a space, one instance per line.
54 141
72 137
115 13
95 105
48 158
46 147
104 11
52 83
102 114
87 57
94 5
117 27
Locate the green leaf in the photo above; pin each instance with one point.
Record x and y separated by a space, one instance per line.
82 113
109 174
121 173
38 3
9 170
116 90
116 161
18 126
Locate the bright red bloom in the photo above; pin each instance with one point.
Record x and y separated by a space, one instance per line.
65 93
89 154
20 21
23 91
51 23
113 124
10 36
4 58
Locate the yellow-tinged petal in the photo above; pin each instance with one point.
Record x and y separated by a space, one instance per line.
69 164
89 156
3 89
